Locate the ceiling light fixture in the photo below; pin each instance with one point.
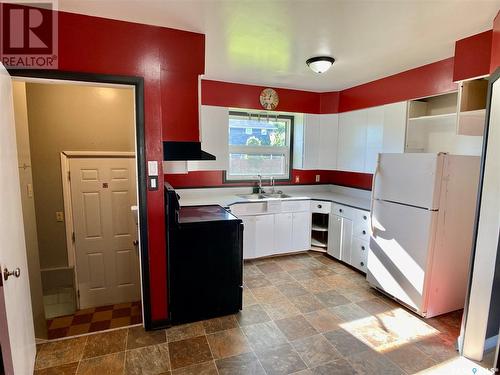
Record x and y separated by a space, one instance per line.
320 64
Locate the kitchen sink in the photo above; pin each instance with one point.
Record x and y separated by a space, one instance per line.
252 196
276 195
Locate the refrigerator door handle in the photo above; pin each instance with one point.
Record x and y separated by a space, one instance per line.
373 193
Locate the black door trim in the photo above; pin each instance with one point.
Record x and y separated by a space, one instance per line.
138 83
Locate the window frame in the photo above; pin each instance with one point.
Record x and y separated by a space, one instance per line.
231 180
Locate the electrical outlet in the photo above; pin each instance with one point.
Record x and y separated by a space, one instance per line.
59 216
297 179
317 178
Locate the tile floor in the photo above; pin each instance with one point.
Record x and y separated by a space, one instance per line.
303 314
95 319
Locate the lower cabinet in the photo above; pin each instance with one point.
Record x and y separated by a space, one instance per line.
249 235
301 231
283 232
359 254
264 235
273 234
348 235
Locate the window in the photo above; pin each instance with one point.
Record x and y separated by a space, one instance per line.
259 144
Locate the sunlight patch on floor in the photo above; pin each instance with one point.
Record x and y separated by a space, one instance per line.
457 366
389 330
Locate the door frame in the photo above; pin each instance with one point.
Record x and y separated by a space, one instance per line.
138 84
66 156
489 343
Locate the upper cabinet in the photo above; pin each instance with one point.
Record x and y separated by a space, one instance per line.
472 107
363 134
449 122
214 123
315 141
352 141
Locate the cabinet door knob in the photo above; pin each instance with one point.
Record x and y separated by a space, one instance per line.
362 248
319 206
362 264
340 210
364 217
364 232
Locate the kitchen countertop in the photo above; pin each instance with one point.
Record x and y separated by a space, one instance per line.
226 197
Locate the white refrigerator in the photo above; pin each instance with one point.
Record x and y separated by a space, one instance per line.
423 208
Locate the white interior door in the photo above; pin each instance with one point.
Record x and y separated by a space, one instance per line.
107 262
17 336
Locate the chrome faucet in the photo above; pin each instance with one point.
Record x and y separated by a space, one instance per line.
260 191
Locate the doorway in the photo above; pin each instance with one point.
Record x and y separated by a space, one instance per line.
83 252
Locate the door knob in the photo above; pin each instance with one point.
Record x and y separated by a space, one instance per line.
7 273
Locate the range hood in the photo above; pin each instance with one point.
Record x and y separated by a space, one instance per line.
181 151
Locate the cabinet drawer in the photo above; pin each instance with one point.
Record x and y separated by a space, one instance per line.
362 231
359 254
295 206
344 211
321 207
362 224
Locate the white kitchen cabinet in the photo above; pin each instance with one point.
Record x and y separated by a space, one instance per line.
359 254
301 231
214 125
306 142
346 248
328 141
334 236
348 235
283 232
264 235
374 127
315 142
352 141
249 236
363 134
394 127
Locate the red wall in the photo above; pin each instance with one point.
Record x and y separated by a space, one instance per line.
98 45
237 95
495 45
431 79
472 56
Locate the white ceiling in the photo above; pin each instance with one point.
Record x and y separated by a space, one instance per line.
267 42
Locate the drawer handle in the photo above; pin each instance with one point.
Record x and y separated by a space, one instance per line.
319 206
340 210
362 248
364 217
362 264
364 232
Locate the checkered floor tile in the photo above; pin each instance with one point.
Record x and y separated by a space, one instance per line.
95 319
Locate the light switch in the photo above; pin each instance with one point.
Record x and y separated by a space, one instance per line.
29 190
152 168
297 179
317 178
59 216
